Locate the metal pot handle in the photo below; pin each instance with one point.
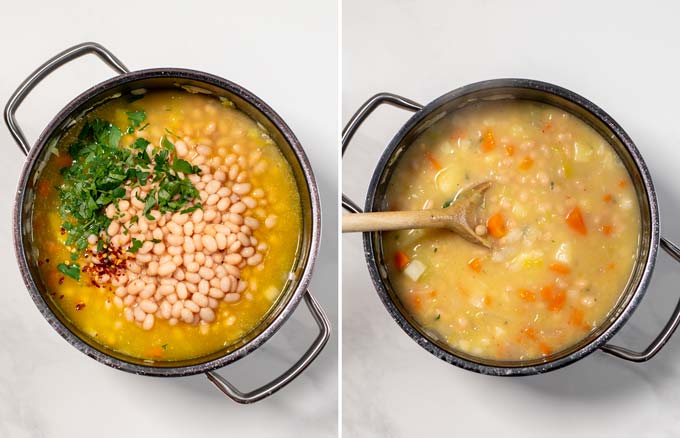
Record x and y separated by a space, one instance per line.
42 72
663 337
358 118
270 388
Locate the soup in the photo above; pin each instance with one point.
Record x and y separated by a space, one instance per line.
562 214
167 224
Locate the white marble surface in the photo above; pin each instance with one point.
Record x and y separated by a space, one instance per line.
624 59
286 53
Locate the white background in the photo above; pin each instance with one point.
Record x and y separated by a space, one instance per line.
626 60
284 52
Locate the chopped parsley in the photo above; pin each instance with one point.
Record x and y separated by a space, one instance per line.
164 346
72 270
438 317
101 171
136 245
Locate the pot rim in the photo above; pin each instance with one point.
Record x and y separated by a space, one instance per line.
628 307
314 238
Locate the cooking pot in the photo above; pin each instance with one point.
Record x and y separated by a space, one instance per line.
524 89
246 102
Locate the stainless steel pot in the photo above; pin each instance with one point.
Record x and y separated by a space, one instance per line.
426 116
246 102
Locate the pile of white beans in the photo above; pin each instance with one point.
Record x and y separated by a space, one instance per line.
197 259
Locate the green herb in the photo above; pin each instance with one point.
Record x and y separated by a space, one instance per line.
102 170
135 97
552 185
448 203
167 144
136 118
164 346
72 270
435 249
172 133
143 127
438 316
183 166
136 245
156 240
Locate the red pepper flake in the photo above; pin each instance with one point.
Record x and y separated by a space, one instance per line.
47 260
61 297
79 306
61 280
62 230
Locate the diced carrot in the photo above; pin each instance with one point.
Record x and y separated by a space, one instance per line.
155 351
576 317
575 221
554 299
43 189
436 164
530 333
527 295
457 135
560 268
433 293
487 300
488 141
475 264
546 127
417 302
608 197
622 183
610 266
607 229
510 150
496 225
526 163
545 349
401 260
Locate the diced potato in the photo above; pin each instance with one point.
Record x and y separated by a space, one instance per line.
449 179
582 152
563 253
526 260
414 270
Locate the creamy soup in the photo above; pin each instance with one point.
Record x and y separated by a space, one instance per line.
562 215
167 224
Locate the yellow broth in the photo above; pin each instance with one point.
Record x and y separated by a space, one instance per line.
206 120
562 214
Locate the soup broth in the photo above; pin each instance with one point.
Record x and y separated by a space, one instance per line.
562 214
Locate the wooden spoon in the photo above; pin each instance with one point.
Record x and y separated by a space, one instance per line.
462 217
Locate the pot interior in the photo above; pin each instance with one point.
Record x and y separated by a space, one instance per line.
567 101
194 82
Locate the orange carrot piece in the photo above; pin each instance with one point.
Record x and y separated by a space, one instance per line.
417 302
496 225
546 127
530 333
488 141
560 268
553 299
43 189
527 295
576 317
575 221
510 150
401 260
622 183
475 264
487 300
607 229
526 163
436 164
608 197
545 349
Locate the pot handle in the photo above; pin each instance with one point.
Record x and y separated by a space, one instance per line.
42 72
270 388
663 337
360 116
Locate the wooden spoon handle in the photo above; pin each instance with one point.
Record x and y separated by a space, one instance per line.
394 220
